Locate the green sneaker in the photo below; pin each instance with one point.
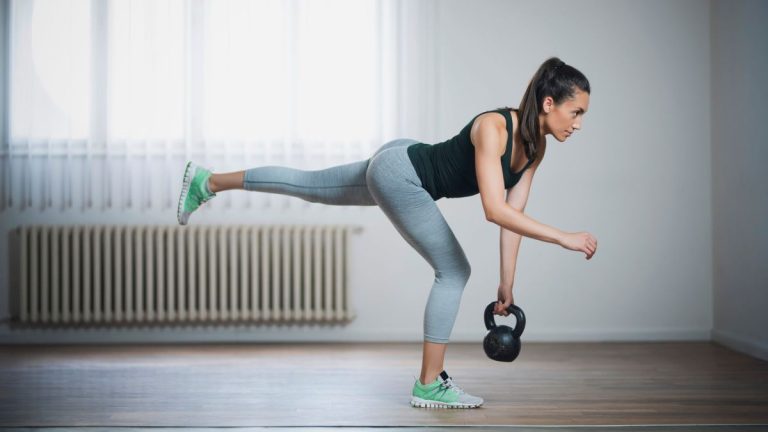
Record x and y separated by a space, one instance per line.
194 191
442 393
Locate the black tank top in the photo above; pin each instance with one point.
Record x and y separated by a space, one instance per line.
447 169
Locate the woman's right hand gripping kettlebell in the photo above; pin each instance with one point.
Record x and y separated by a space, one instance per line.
505 298
580 241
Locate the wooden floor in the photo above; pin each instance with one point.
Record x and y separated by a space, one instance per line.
368 385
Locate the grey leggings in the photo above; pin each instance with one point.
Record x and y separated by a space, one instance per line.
388 180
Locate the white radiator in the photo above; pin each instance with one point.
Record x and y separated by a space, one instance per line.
196 274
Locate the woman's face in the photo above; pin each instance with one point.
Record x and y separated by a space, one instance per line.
564 119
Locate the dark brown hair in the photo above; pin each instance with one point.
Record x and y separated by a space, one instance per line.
556 79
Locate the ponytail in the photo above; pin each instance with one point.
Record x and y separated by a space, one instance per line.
553 78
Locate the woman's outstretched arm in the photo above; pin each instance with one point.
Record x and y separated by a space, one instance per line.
490 180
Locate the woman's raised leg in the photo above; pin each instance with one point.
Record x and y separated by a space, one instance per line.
338 185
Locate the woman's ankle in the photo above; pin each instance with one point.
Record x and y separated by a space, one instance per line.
226 181
429 377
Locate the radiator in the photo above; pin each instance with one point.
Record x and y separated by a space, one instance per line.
179 274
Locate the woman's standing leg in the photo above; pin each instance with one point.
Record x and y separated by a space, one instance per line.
397 189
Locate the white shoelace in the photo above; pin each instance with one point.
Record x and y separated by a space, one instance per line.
450 384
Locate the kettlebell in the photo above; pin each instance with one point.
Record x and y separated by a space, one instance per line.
502 343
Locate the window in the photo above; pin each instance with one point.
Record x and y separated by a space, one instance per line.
93 84
117 71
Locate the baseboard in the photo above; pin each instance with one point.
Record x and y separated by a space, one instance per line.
289 334
749 346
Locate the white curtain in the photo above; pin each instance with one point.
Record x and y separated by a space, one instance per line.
106 100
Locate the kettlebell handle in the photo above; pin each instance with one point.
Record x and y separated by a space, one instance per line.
513 309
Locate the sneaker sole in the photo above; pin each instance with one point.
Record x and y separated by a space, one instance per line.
423 403
182 216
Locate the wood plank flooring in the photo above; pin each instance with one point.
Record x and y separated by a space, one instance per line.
368 385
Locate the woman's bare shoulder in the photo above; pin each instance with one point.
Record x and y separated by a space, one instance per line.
491 120
493 117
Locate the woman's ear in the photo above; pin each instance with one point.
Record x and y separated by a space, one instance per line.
548 102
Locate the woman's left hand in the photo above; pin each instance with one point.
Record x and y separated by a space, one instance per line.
505 299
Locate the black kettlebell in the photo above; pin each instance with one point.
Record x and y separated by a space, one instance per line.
502 343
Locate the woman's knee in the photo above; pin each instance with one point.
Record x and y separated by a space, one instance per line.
459 272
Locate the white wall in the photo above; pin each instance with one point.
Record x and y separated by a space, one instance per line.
739 157
637 176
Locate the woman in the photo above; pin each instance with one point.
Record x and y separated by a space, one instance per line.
405 178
